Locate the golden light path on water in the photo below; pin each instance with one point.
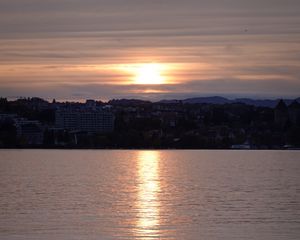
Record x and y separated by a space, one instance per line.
148 202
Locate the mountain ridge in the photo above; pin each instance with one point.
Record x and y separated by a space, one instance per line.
222 100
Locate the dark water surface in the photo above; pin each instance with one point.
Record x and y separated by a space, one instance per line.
62 194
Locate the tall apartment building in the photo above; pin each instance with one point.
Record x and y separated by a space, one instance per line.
87 119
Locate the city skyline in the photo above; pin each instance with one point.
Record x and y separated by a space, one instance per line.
75 50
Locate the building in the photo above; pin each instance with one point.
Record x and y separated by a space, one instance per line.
30 132
7 117
90 120
294 112
281 114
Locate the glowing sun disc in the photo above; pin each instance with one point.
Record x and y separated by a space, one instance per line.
149 73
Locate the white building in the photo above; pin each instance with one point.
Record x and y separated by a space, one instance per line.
86 120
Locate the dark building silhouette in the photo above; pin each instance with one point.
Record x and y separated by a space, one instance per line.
294 113
31 133
281 114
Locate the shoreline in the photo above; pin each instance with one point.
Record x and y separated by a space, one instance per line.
158 149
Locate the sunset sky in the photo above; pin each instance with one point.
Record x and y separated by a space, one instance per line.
149 49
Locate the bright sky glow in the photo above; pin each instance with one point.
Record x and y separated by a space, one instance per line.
150 73
171 49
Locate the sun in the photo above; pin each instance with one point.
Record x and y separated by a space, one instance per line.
149 73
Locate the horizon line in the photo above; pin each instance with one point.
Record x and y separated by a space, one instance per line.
15 98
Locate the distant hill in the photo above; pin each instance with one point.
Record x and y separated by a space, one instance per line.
125 102
222 100
213 100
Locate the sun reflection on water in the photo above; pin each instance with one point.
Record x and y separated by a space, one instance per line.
148 203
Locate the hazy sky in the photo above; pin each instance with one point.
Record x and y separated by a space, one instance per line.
76 49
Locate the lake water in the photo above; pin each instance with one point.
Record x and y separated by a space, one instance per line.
186 195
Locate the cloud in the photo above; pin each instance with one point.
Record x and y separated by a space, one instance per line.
69 47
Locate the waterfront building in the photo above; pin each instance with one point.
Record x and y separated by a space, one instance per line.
90 120
30 132
281 114
294 113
